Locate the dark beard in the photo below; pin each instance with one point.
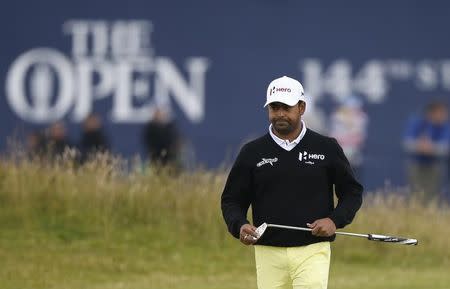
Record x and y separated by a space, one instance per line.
282 127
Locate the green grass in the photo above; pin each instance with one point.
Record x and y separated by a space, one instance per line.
94 227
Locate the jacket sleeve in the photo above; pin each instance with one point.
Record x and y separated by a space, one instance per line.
236 198
348 190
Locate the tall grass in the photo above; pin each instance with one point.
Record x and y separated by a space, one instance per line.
100 198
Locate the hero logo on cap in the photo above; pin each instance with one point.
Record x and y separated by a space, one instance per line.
281 89
272 90
285 90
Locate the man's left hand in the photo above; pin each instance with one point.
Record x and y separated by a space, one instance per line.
323 227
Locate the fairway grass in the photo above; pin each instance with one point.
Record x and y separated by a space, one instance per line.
135 259
94 227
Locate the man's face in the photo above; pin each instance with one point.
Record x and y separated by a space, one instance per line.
439 115
284 118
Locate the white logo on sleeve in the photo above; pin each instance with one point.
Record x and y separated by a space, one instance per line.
308 158
267 161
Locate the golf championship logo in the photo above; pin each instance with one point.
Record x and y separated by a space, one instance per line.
267 161
309 158
109 59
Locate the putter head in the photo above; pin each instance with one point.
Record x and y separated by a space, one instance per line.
261 229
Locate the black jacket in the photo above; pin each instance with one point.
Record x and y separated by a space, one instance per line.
290 188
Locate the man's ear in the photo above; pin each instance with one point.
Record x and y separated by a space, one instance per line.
302 107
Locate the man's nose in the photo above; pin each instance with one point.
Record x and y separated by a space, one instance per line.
280 112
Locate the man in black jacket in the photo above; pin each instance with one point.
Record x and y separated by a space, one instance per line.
289 176
161 139
93 138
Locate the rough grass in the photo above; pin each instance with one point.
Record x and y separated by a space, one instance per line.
64 226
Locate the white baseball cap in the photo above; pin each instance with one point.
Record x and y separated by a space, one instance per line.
286 90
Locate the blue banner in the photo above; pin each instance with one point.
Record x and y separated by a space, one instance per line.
370 64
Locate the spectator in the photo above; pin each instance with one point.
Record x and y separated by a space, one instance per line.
349 127
35 144
161 138
93 139
57 140
427 144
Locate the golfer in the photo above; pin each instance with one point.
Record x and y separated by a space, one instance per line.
288 176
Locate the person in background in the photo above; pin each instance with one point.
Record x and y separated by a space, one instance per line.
35 144
93 139
349 127
161 138
427 143
57 140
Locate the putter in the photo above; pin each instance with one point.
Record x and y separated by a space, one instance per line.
372 237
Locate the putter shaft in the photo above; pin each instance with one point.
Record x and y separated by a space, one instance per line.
372 237
309 230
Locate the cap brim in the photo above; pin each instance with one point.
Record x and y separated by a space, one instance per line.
290 103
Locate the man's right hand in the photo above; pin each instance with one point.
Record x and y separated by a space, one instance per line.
247 234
